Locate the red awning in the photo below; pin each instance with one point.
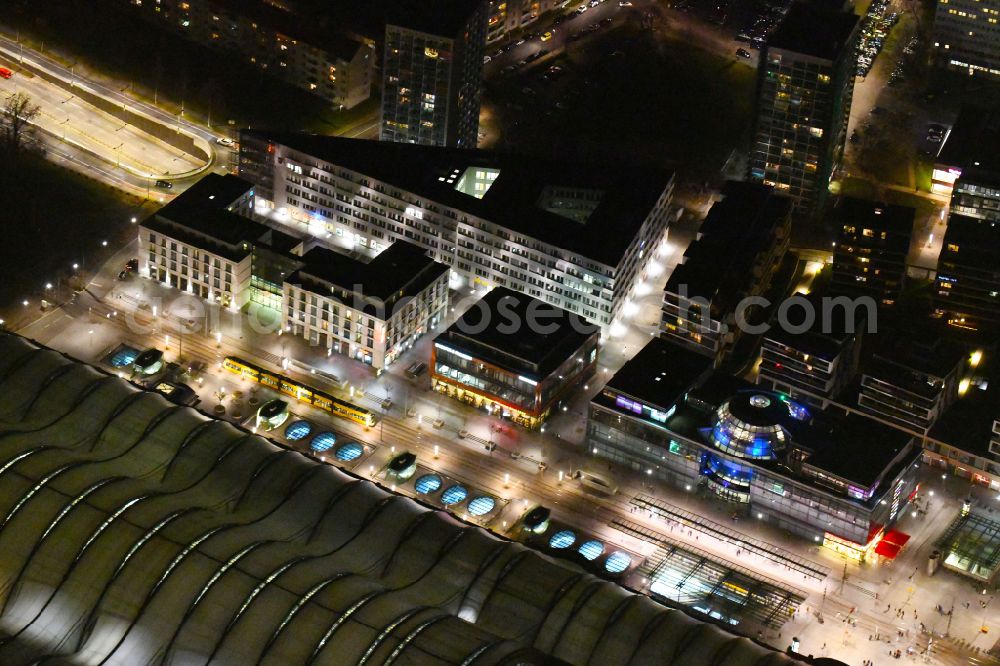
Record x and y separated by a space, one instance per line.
896 537
887 549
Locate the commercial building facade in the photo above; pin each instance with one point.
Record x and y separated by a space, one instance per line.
432 73
202 243
837 480
575 236
967 37
873 241
804 89
370 311
515 356
737 251
328 63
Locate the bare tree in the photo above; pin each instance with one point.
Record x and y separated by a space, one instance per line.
16 120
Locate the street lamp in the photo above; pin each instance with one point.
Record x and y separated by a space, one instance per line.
48 286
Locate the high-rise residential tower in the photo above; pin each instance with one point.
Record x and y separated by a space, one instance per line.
804 88
433 72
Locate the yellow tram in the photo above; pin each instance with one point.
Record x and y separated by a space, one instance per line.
301 392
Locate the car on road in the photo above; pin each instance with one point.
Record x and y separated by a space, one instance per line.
582 9
6 73
624 3
546 36
742 53
165 184
416 369
223 141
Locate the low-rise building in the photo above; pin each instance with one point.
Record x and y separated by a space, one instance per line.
815 365
911 379
514 355
967 285
371 311
202 243
840 480
736 253
578 236
967 167
965 441
873 240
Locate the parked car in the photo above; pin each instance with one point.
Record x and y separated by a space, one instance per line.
165 184
6 73
742 53
223 141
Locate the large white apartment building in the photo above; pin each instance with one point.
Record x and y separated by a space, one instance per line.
204 244
573 235
370 311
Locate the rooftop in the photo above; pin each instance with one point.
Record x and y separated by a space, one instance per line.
200 216
735 231
978 242
895 220
814 30
660 373
968 422
851 447
904 358
512 200
401 270
973 145
828 335
438 17
858 449
508 339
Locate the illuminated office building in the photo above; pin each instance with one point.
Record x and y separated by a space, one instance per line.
514 356
837 480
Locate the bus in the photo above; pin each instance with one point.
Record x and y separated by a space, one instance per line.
300 392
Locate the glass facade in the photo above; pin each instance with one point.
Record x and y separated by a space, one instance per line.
731 459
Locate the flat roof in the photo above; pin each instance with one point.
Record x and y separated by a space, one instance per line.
199 217
895 220
978 242
438 17
973 144
814 30
968 422
922 348
736 230
660 373
507 339
850 447
399 271
829 332
629 194
857 449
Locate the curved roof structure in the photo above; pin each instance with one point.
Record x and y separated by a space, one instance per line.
134 531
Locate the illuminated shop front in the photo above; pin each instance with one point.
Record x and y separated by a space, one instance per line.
824 476
521 372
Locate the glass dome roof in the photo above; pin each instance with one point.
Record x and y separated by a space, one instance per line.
751 424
